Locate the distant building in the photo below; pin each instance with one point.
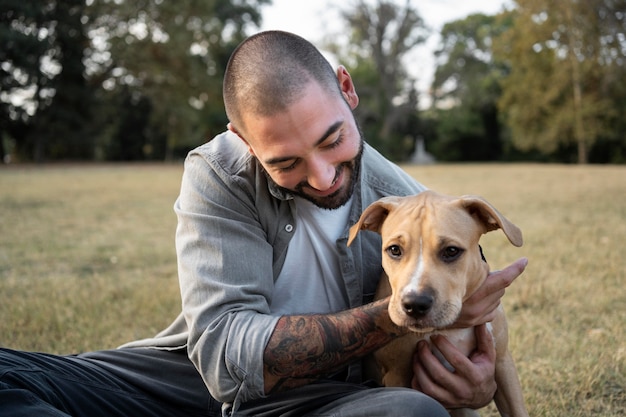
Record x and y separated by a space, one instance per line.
420 156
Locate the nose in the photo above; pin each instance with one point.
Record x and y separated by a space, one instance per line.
321 174
418 304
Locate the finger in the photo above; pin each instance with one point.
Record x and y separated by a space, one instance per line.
473 381
484 343
457 359
488 295
478 309
485 302
499 280
428 372
493 288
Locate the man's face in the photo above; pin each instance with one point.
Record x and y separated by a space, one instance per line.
313 149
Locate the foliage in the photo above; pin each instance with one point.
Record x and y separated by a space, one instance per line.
173 54
141 80
381 34
86 71
61 130
466 89
565 57
460 135
44 103
20 52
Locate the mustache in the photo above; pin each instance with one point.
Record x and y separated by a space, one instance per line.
341 196
304 184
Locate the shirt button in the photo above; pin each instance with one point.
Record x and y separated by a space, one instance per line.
289 228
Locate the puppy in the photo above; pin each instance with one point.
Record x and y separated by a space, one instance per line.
433 263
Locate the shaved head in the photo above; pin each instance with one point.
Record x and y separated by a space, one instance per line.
268 71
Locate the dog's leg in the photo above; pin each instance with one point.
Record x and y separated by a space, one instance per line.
395 361
508 398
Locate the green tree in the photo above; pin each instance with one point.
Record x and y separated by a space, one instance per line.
45 100
561 55
61 130
174 53
381 36
466 89
23 85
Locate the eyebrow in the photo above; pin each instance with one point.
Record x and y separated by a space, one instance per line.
332 129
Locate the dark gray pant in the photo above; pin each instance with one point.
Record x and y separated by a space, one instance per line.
153 383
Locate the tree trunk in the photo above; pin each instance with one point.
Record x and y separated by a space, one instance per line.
574 44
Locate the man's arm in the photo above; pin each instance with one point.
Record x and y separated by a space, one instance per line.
304 347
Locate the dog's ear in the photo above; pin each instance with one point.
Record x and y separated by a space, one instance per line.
491 218
373 216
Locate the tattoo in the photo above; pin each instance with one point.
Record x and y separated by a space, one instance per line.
303 348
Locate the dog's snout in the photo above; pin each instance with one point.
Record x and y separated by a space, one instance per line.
417 304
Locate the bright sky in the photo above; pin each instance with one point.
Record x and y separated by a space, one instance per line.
315 19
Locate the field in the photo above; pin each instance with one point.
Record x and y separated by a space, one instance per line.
87 261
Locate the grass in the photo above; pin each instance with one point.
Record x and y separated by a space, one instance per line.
87 261
87 257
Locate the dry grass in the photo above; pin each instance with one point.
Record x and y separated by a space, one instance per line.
567 312
87 257
87 261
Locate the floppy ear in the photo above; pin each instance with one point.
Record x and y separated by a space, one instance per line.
491 218
373 216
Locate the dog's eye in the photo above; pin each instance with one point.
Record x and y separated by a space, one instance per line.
394 251
451 253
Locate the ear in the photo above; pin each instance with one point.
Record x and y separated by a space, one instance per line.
347 87
373 216
236 132
491 218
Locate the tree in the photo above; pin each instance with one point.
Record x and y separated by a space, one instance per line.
381 35
78 76
60 130
560 54
466 88
174 53
23 85
45 99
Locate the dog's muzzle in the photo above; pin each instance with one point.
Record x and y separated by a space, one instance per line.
417 305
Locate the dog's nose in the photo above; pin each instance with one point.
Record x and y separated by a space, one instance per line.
417 304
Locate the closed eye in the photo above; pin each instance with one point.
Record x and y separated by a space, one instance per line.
290 167
336 143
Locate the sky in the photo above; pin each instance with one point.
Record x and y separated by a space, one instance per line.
313 19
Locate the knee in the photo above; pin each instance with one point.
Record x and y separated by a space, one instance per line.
411 403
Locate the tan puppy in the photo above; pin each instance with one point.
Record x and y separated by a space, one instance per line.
433 263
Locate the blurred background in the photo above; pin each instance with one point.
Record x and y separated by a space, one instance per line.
121 80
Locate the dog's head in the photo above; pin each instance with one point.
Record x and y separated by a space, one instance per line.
431 253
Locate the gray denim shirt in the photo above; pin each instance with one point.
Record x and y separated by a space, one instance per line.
232 236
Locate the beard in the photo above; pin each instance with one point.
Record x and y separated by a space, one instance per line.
339 197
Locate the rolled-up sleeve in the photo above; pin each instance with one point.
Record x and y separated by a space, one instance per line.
226 279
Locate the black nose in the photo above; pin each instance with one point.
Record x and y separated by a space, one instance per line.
418 304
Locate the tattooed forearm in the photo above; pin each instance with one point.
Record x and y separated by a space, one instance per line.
303 348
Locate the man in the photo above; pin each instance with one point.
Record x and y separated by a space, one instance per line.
277 310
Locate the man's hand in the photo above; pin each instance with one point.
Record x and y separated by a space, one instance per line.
481 306
472 385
